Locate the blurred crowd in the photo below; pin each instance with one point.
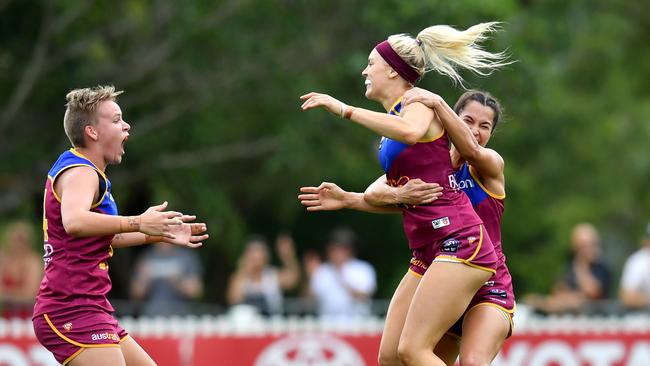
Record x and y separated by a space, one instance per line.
587 284
270 279
338 285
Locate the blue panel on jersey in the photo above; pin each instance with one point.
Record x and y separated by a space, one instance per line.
69 159
108 205
390 149
468 184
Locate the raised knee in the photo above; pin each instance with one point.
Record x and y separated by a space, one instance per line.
406 352
470 359
389 359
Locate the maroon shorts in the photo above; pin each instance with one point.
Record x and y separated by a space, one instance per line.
496 292
471 246
66 334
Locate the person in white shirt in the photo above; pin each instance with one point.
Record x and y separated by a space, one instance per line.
635 281
343 286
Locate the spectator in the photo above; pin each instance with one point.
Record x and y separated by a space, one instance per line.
635 281
167 278
258 284
21 270
587 279
343 286
311 261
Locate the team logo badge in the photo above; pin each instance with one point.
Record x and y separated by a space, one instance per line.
450 245
67 326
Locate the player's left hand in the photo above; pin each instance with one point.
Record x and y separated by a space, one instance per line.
331 104
188 235
423 96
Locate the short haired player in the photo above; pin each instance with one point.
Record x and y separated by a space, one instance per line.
72 317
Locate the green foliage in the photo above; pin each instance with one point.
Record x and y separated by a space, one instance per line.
212 95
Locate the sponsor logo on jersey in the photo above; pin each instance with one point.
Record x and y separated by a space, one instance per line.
419 263
501 293
49 250
104 336
463 184
441 222
450 245
67 326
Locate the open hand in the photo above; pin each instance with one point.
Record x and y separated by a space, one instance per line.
332 105
423 96
326 197
187 234
158 222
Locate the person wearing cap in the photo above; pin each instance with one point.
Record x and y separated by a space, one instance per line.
635 281
451 250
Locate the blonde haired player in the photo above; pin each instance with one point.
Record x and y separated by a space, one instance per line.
72 317
446 234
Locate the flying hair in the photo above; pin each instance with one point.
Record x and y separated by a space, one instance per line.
444 49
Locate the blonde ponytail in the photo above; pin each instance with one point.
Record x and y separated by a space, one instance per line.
445 49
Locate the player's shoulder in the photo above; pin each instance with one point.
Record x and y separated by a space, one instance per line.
416 107
78 174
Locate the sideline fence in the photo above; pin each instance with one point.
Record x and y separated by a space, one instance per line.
242 338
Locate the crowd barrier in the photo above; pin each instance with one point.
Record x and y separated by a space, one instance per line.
307 341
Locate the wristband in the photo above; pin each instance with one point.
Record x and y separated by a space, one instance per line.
348 112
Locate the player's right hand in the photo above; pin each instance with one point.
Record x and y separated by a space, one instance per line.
326 197
158 222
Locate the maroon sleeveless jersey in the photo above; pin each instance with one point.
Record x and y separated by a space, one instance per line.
429 161
76 268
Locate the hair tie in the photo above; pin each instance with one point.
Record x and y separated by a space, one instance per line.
418 42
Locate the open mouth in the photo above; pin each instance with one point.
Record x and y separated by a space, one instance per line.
124 142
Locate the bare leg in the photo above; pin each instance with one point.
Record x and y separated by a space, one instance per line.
395 318
442 296
134 354
99 356
447 349
484 329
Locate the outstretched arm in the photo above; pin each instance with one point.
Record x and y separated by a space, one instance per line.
485 160
382 197
330 197
412 126
78 189
187 235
